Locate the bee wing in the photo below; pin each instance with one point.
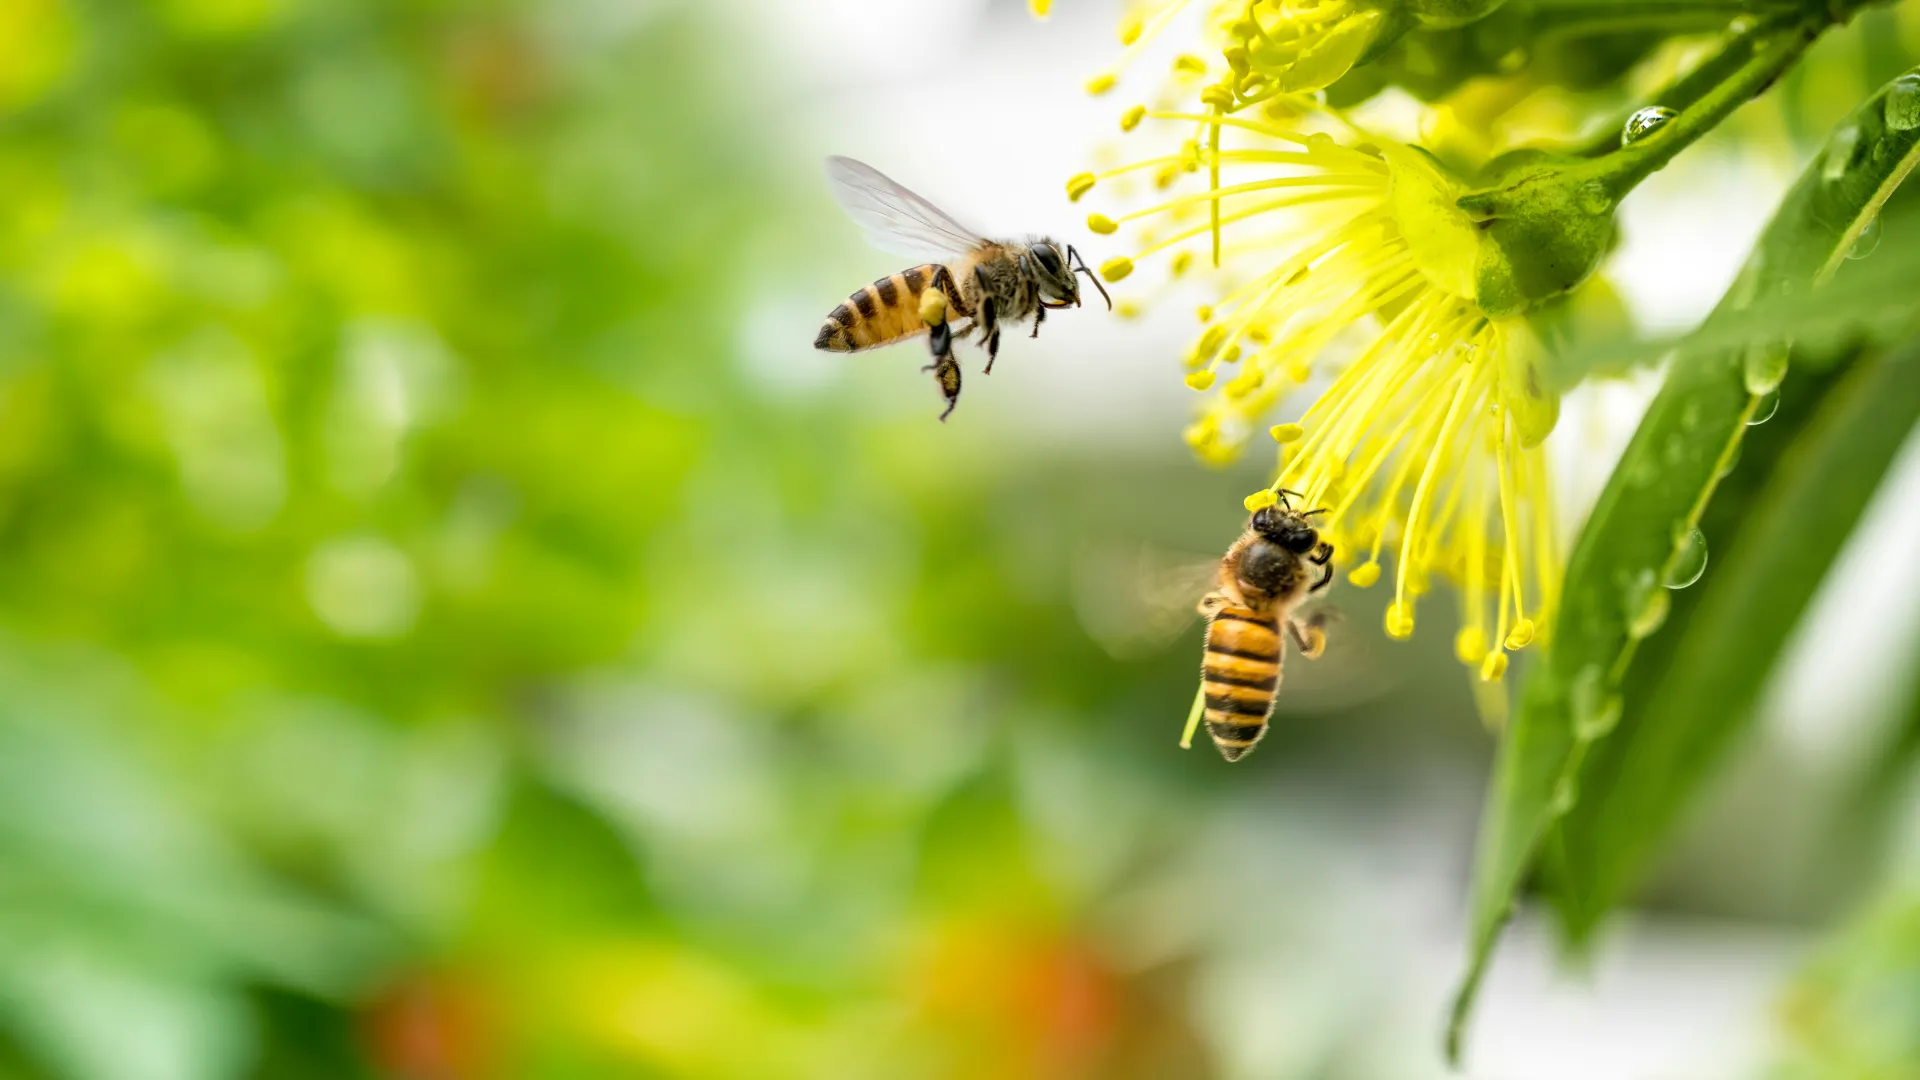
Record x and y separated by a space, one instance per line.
895 219
1134 600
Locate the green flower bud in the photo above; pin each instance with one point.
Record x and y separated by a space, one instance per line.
1543 231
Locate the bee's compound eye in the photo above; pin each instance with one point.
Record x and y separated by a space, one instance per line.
1048 257
1301 539
1263 519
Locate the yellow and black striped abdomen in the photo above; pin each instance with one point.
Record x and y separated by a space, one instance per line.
880 314
1240 677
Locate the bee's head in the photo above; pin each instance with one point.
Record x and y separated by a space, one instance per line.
1054 271
1286 528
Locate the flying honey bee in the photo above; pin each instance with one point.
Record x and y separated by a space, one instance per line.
1263 578
986 282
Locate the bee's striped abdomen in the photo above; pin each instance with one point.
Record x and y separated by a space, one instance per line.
881 313
1240 677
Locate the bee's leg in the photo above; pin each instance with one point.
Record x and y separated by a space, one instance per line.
1039 316
1310 634
946 370
990 331
1326 574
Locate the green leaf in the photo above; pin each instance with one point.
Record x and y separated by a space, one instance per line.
1639 530
1691 690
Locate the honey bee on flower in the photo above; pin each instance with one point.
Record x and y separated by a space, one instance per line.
1354 268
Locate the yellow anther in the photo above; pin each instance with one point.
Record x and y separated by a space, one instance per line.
1079 185
1522 634
1201 380
1494 666
1040 8
1470 645
1164 178
1300 372
1399 620
1236 57
1102 83
1259 500
1179 266
1130 28
1127 308
1217 96
1286 433
1102 224
1231 356
1116 268
1364 575
1132 117
1189 64
1204 312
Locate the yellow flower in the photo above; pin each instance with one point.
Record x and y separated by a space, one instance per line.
1350 260
1269 46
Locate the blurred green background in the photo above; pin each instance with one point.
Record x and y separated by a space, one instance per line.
452 626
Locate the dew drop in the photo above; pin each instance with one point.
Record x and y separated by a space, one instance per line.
1868 239
1903 103
1647 605
1645 122
1763 367
1763 412
1688 562
1840 151
1594 198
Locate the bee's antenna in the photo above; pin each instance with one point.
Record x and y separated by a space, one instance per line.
1286 494
1310 513
1091 276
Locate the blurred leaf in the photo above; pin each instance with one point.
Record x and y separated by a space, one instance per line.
1643 530
1692 688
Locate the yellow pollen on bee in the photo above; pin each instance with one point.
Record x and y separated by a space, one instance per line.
1200 380
933 307
1364 575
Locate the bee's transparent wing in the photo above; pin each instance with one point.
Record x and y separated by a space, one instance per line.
895 219
1133 600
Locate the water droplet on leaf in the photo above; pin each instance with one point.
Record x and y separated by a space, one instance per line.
1647 605
1868 239
1689 560
1840 151
1903 103
1763 367
1595 713
1645 122
1594 198
1763 412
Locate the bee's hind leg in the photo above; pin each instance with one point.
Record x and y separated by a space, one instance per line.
946 370
1309 634
1039 316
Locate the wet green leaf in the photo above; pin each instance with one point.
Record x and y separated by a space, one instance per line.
1691 689
1642 528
